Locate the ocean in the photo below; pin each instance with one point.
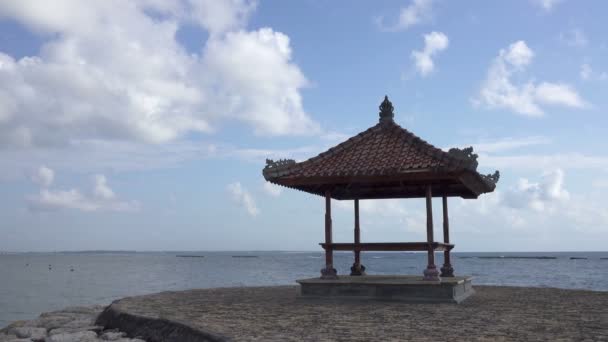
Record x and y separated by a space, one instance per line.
32 283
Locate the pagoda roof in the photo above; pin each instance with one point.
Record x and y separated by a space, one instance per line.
384 161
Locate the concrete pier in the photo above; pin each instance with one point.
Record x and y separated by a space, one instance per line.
276 314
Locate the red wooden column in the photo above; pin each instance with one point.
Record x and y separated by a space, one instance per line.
329 272
430 273
446 270
357 269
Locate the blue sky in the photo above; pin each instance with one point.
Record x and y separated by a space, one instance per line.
145 125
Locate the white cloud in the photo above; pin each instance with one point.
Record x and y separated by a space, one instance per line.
242 197
575 37
221 16
44 176
507 144
558 94
48 200
101 188
519 54
102 199
547 5
587 73
538 196
538 211
272 190
417 12
245 60
499 91
434 43
111 70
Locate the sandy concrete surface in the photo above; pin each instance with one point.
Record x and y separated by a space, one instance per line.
275 314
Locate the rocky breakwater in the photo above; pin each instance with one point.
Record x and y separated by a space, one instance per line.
75 324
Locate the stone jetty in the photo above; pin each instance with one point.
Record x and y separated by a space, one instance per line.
277 314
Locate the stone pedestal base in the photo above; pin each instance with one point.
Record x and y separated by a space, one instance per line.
357 270
410 289
431 274
447 271
329 273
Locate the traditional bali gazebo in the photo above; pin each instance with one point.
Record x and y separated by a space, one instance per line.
385 161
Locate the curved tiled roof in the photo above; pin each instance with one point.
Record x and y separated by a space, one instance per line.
384 150
381 150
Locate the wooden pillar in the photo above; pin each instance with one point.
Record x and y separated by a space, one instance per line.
446 270
430 273
357 269
329 272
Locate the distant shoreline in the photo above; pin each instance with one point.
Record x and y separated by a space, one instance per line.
259 251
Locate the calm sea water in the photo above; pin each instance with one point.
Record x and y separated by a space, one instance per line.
32 283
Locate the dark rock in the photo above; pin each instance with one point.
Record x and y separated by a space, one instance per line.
153 329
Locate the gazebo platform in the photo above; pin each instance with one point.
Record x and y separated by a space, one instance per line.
400 288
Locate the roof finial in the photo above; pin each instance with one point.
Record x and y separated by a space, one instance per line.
386 110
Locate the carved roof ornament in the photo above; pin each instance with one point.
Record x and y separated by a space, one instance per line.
465 154
492 177
271 164
386 110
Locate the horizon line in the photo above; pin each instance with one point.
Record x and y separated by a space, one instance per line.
273 250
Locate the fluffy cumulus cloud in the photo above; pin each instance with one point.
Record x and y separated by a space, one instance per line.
114 70
242 197
44 176
417 12
535 209
102 198
220 16
500 91
434 43
540 195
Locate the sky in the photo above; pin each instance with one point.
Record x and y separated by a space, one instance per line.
145 124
